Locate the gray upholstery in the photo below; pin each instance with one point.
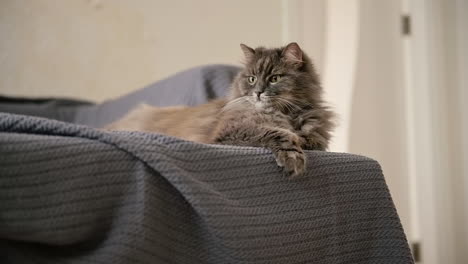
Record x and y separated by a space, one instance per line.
191 87
74 194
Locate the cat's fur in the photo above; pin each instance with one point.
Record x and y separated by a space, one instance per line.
275 102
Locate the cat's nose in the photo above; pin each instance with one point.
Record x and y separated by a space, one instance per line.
258 94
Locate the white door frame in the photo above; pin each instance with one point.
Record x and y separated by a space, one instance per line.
434 166
420 136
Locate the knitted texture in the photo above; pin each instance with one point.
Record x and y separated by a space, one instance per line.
74 194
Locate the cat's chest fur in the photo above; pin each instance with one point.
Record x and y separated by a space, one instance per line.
245 118
266 115
276 119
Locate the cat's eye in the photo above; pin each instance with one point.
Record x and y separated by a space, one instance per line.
275 78
251 79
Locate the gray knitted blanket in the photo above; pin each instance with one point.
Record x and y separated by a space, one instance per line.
74 194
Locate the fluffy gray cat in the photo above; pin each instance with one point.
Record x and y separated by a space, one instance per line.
275 102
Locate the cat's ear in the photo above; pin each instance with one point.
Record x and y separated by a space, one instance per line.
249 53
292 53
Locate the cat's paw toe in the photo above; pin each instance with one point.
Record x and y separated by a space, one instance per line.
292 161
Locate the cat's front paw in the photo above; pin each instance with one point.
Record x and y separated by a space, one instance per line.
292 161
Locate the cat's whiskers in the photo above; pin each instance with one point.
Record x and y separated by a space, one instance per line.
283 105
290 105
286 106
234 103
292 100
301 102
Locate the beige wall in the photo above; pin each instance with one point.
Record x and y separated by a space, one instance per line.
96 49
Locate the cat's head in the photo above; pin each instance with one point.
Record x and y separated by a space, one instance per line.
277 78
